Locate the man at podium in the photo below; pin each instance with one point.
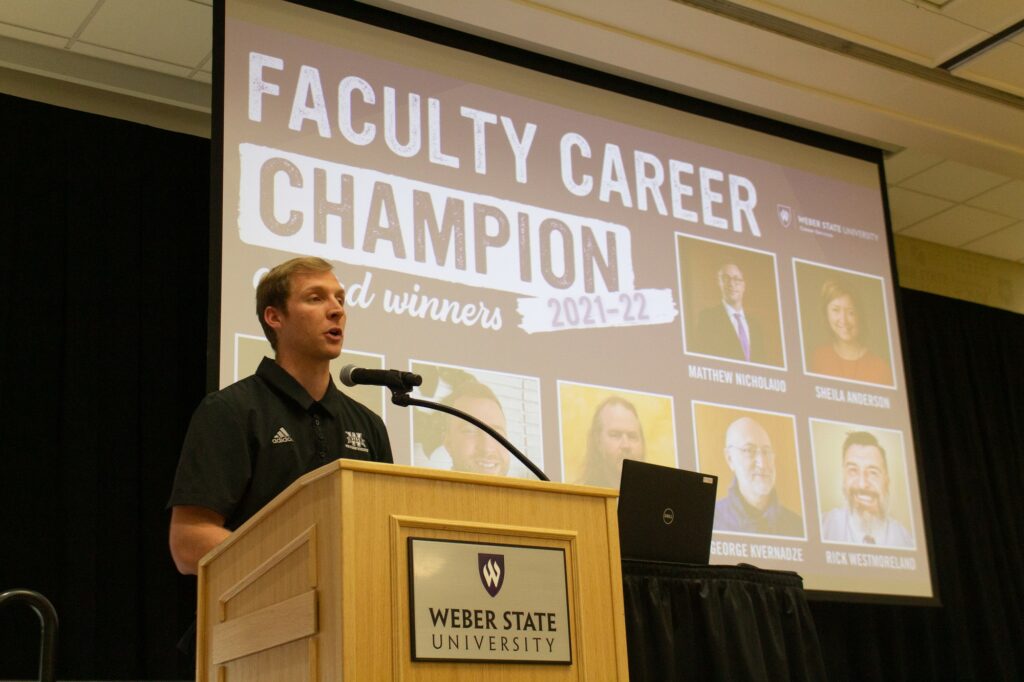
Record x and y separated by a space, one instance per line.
249 441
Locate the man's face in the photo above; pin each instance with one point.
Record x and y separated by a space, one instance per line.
620 437
842 318
732 285
866 481
312 326
749 453
471 448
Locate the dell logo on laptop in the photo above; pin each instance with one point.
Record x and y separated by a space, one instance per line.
668 516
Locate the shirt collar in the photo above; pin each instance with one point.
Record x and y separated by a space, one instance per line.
769 512
857 529
730 311
284 383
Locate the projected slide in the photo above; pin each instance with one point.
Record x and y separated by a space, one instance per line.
599 278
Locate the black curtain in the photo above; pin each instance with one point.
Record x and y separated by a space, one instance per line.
105 249
718 623
105 290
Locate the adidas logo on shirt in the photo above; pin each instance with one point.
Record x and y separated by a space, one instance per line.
282 437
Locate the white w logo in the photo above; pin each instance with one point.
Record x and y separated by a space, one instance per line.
492 573
491 567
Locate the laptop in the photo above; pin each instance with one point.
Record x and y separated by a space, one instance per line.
665 514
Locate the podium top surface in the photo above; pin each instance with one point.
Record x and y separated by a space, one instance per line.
449 476
339 466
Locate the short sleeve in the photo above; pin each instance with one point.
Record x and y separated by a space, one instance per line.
215 465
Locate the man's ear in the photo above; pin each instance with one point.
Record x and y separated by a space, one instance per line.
273 317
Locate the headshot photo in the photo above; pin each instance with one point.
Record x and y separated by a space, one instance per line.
602 427
508 403
754 454
730 302
844 327
862 485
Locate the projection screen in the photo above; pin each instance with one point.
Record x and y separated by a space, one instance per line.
623 278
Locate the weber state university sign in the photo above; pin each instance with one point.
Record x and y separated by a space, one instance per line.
475 602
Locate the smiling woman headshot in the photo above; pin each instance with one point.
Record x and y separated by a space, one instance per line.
846 355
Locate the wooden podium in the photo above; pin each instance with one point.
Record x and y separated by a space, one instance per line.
315 586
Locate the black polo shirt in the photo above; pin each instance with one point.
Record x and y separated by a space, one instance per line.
249 441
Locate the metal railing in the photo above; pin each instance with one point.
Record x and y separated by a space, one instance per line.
48 624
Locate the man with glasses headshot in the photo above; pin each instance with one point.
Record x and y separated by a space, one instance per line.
752 505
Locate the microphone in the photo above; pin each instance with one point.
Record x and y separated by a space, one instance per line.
391 378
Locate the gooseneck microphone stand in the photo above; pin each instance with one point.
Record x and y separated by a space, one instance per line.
401 397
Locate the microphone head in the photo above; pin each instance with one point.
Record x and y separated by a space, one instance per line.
346 375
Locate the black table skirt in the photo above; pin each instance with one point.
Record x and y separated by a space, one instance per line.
728 623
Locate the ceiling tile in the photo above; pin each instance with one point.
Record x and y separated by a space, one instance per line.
1001 67
173 31
57 17
30 36
903 164
905 29
131 60
953 180
957 226
989 15
1006 199
1006 243
907 207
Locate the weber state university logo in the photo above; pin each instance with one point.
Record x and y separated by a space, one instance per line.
785 214
492 572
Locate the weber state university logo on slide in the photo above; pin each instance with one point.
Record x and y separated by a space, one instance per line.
785 214
492 572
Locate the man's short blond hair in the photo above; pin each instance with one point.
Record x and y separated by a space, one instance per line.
275 287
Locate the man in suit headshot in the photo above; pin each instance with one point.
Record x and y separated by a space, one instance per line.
726 330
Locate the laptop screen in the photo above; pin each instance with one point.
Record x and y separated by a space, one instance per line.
665 514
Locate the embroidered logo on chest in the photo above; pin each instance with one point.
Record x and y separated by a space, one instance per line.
354 441
282 436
